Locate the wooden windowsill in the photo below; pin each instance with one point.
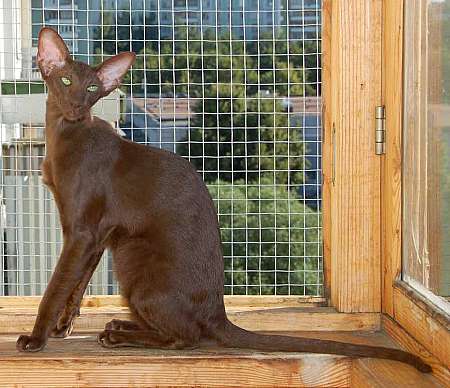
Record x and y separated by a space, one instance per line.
271 313
80 361
234 301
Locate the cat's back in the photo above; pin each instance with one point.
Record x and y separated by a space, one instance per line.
154 163
152 176
146 175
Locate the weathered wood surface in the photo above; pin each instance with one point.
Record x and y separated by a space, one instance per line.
432 334
391 184
352 90
14 320
402 337
327 149
80 361
234 301
372 373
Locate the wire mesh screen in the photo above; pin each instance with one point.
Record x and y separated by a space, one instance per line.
232 85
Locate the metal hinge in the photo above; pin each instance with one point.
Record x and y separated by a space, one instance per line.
380 130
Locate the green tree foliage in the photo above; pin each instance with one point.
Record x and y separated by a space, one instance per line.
268 238
240 127
233 137
238 131
241 133
191 63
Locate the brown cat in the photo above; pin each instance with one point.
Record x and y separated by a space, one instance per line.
153 211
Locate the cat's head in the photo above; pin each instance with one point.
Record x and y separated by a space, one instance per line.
76 85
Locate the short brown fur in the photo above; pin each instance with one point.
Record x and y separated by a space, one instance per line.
153 211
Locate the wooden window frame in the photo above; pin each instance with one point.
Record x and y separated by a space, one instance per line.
425 322
360 275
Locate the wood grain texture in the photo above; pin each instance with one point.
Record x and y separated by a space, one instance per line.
21 320
354 88
162 372
326 145
431 334
79 361
402 337
391 189
233 301
372 373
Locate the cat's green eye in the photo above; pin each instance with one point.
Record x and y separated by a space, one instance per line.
92 88
66 81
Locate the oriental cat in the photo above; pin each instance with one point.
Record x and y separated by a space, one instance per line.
152 210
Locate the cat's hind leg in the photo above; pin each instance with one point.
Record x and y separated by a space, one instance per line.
143 338
167 326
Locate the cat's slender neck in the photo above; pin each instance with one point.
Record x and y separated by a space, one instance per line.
54 113
54 119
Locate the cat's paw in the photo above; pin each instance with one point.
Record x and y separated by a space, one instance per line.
117 324
107 339
27 343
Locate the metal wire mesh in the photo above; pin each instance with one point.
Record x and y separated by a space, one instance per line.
232 85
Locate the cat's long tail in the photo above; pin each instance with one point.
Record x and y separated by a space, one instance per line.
235 337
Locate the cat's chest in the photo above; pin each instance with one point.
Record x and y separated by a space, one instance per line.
56 176
47 177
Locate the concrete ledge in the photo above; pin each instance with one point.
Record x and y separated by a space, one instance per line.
30 108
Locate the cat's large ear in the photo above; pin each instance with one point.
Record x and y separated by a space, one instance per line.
52 51
113 69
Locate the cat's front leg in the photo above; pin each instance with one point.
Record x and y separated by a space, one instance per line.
78 250
64 325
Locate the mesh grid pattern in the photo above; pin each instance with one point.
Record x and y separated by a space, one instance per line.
232 85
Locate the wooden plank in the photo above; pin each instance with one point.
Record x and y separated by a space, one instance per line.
391 189
372 373
21 320
408 342
326 146
234 301
82 362
318 371
422 326
85 345
354 89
